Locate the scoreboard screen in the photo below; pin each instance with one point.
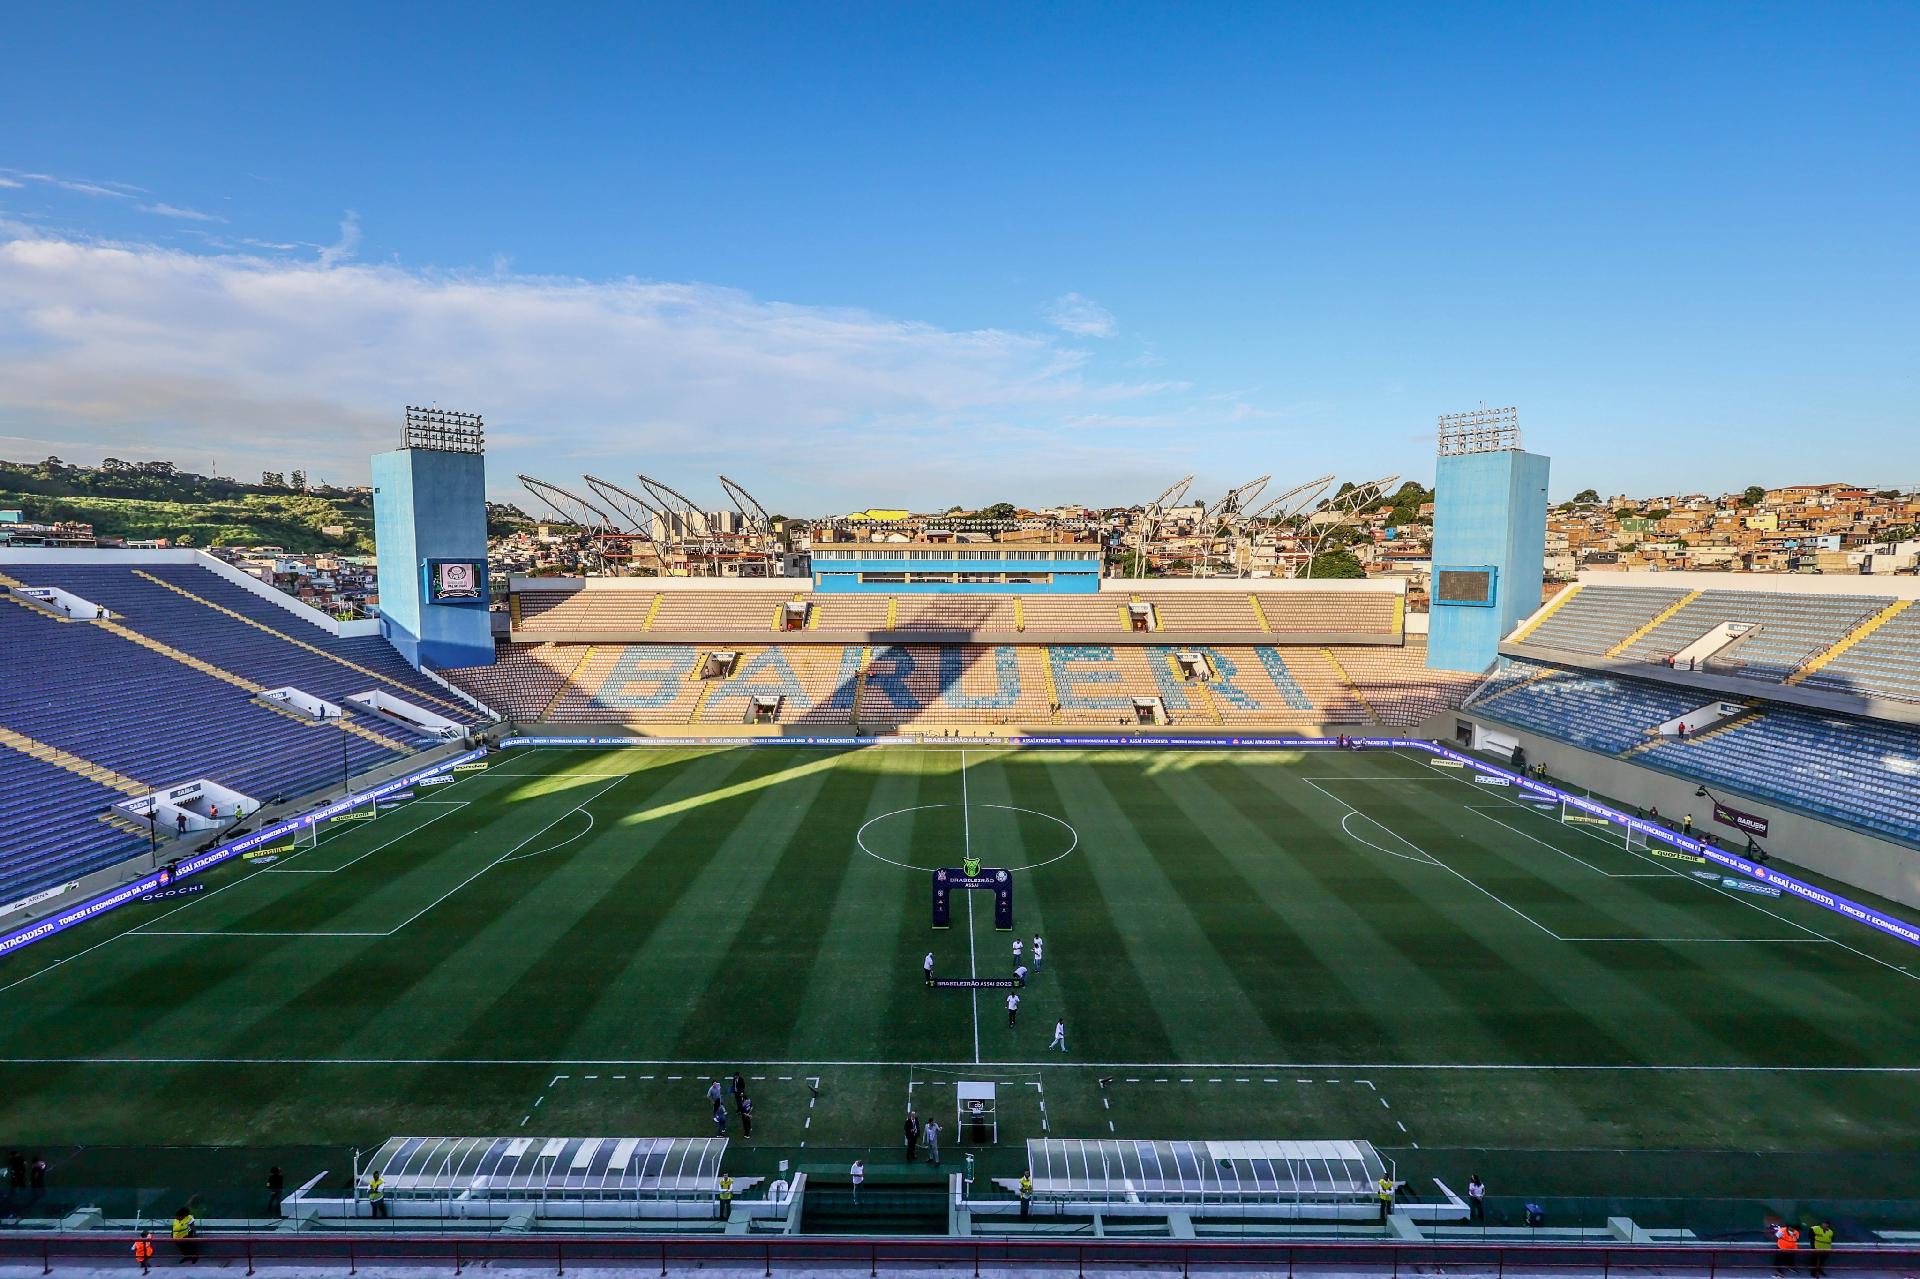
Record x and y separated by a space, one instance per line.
456 581
1472 586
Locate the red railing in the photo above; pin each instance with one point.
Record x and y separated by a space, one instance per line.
348 1252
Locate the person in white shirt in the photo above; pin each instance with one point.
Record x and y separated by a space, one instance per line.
1036 952
1016 948
926 966
1059 1036
1020 973
1013 1007
859 1174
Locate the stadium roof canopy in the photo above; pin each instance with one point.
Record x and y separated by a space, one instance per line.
1202 1171
549 1167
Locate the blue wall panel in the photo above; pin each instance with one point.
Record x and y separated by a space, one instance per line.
1490 510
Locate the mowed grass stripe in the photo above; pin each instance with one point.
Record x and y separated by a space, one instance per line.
579 915
718 862
1350 892
751 998
880 920
1318 971
1492 968
467 951
1109 1003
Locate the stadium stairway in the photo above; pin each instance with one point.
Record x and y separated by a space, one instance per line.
1558 602
1740 719
1352 687
1850 639
73 763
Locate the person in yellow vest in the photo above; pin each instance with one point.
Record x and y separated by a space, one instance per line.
183 1228
377 1195
1786 1248
143 1250
1026 1193
726 1196
1383 1190
1822 1245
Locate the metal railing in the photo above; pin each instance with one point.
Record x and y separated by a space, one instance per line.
349 1252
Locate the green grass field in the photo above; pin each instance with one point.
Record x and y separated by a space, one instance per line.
1276 945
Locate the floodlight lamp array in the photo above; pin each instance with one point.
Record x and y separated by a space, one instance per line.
443 431
1481 430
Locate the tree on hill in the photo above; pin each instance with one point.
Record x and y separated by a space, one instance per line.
1335 564
1752 495
1586 497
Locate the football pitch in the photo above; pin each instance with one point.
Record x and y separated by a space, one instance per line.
1327 944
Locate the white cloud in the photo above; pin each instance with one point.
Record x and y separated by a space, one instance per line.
1081 316
347 247
9 182
165 210
265 362
112 190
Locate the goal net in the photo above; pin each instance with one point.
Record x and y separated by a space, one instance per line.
1601 826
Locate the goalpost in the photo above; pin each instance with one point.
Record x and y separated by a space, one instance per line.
1630 838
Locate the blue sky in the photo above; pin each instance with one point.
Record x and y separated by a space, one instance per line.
877 255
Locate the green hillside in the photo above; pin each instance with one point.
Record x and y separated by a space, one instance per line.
140 500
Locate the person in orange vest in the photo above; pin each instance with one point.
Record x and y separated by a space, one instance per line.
1786 1246
143 1251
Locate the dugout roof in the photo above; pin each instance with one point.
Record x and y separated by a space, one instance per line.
1202 1171
545 1167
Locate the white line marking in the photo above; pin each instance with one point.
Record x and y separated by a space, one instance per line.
449 804
1435 860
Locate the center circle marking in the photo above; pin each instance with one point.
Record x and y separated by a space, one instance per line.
860 836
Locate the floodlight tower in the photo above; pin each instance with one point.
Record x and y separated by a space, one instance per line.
1153 513
1226 513
430 524
576 512
1489 537
1346 508
1286 507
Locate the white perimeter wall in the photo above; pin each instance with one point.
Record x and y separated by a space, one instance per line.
1906 588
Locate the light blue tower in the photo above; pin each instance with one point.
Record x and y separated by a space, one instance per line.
430 528
1489 538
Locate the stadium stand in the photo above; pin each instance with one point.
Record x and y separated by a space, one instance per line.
1790 630
54 832
1397 684
1883 662
1203 610
585 610
1056 613
164 691
1353 612
200 613
1856 772
524 679
862 613
954 613
1597 619
691 611
638 684
1595 711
